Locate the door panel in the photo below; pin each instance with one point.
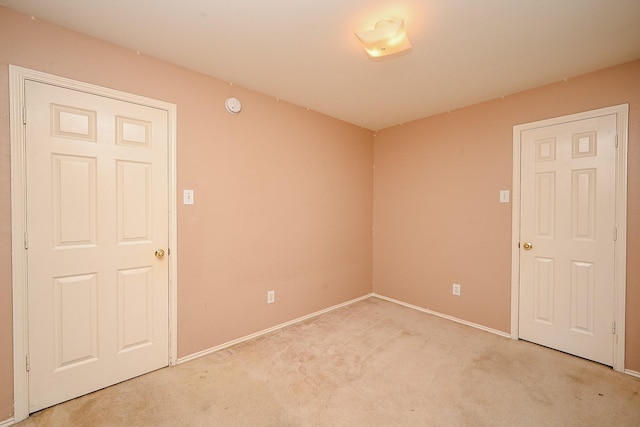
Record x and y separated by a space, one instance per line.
135 298
134 197
568 216
75 331
97 210
74 187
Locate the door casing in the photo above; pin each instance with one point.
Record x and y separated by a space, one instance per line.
17 78
620 245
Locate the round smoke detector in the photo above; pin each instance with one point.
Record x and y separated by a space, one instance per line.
233 105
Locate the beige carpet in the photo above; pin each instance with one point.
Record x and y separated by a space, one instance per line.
373 363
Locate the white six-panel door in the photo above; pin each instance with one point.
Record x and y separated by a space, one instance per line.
97 212
567 237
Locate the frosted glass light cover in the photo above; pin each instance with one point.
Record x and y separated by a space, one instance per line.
387 38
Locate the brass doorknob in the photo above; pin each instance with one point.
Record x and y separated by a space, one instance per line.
159 253
527 246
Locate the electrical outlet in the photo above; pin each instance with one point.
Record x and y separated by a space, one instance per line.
456 289
271 297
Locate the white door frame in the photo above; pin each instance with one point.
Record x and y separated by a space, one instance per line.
17 78
620 245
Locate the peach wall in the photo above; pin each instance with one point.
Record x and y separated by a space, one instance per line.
437 219
6 319
282 195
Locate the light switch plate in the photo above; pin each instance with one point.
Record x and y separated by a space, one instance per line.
504 196
187 197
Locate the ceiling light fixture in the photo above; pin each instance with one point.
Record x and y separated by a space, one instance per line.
387 38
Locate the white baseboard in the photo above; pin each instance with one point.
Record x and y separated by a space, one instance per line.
267 331
445 316
7 423
632 373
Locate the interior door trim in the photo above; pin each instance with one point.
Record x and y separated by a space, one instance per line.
17 78
620 245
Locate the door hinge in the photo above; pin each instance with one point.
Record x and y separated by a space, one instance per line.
28 362
26 240
615 234
24 115
616 141
613 327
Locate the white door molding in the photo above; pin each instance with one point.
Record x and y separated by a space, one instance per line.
17 78
622 119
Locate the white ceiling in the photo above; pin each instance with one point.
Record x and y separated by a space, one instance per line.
305 52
